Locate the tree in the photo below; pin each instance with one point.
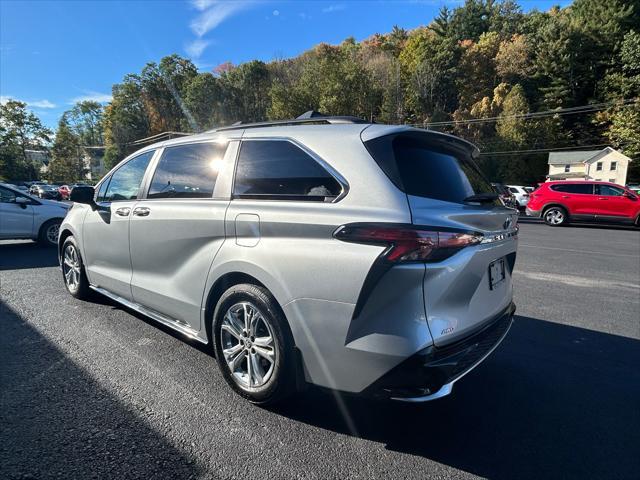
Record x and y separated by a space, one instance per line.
477 69
85 120
513 60
125 120
67 163
20 131
428 65
624 134
204 98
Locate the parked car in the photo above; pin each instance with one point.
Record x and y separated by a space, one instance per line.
64 191
529 189
45 191
520 194
23 216
369 259
634 187
562 202
507 198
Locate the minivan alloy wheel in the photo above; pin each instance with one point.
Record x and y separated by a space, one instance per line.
248 345
71 267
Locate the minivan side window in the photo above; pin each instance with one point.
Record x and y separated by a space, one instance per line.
583 188
125 182
100 197
280 170
187 171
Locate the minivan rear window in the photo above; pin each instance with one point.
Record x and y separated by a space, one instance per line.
424 167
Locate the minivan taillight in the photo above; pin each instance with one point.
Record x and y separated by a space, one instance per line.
408 243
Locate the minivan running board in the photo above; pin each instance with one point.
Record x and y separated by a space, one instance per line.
166 321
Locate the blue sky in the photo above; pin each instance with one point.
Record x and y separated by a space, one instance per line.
53 53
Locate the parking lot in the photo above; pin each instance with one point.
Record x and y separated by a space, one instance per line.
92 390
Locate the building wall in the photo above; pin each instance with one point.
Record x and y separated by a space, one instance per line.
577 168
619 175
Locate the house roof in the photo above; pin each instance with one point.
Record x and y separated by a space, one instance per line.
565 176
569 158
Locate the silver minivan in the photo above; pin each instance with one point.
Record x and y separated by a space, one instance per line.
368 259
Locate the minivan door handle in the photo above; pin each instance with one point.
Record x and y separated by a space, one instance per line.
141 211
123 211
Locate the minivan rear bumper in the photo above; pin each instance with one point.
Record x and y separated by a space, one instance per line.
430 373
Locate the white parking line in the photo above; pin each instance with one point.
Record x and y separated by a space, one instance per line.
580 251
576 281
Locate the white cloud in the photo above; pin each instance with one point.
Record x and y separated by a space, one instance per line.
215 14
276 13
334 8
91 96
195 48
42 104
202 4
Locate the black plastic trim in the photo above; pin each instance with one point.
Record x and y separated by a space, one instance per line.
425 372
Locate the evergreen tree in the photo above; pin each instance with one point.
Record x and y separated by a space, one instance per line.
67 162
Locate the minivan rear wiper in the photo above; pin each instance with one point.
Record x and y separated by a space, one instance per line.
481 198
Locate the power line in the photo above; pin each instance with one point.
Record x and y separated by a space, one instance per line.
554 149
590 108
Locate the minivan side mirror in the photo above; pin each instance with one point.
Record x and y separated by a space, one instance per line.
82 195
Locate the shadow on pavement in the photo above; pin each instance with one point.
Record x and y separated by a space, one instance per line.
56 421
20 255
553 401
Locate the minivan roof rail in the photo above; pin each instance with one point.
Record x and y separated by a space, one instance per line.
308 118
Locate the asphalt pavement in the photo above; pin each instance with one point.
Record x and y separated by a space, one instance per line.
93 390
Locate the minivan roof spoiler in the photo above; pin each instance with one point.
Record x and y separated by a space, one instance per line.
376 131
308 118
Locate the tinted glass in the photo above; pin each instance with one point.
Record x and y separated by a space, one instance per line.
187 171
280 169
7 196
100 197
608 190
584 188
125 182
420 166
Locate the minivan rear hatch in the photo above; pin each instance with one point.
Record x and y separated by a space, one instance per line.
446 191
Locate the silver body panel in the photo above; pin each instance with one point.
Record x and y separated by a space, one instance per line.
166 263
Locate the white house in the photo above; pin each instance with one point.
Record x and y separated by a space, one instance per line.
606 165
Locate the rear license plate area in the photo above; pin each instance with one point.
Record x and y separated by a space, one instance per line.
496 273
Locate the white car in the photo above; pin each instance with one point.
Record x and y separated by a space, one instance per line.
23 216
521 194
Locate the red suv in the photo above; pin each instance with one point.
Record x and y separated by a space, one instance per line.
560 202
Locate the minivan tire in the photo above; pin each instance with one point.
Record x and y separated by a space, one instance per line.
70 259
281 380
555 216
